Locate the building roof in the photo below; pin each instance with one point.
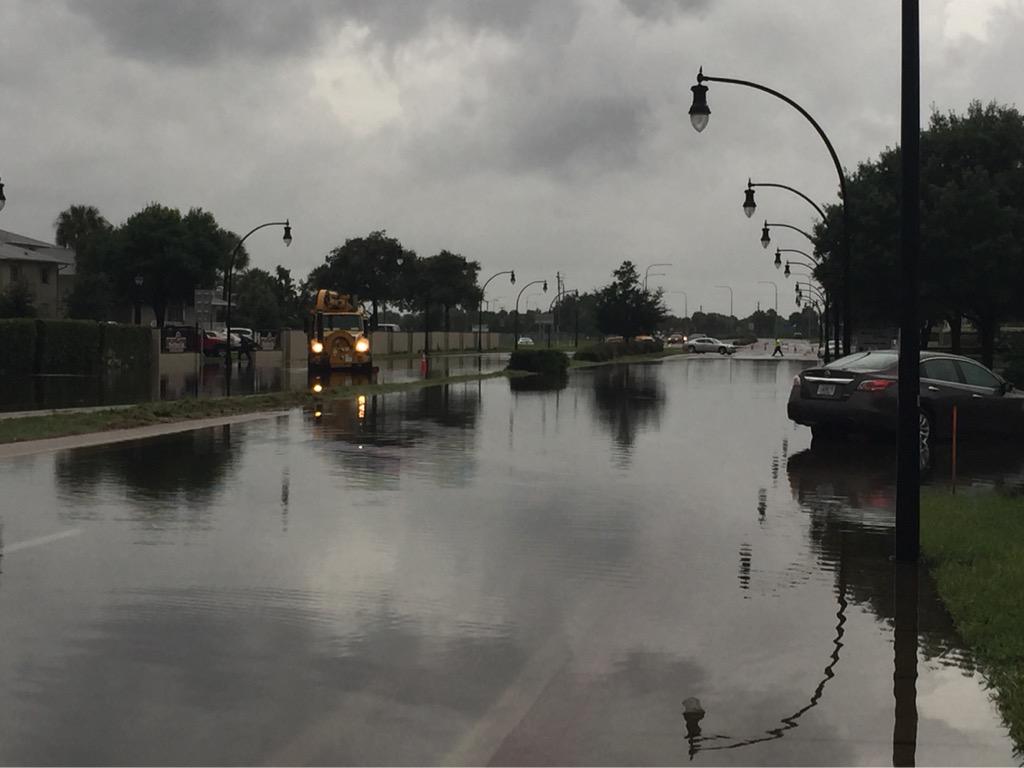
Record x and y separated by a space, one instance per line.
15 247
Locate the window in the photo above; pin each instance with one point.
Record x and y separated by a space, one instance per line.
44 275
977 376
940 369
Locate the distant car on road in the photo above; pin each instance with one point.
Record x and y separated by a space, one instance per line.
857 393
676 338
703 344
525 341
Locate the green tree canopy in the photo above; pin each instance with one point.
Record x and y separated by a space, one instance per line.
16 301
256 300
972 225
368 267
625 308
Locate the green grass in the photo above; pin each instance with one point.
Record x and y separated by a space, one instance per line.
974 546
63 424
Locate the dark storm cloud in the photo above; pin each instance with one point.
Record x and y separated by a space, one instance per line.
197 32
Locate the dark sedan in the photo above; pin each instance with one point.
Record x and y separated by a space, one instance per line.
858 394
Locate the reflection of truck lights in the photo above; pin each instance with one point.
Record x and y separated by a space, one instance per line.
363 345
318 387
361 402
317 413
317 347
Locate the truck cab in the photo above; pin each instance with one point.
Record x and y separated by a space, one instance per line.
338 338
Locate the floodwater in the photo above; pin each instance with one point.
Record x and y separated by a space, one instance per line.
643 564
33 393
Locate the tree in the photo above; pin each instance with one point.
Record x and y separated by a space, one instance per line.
972 226
91 298
83 229
625 308
368 267
452 282
257 300
16 301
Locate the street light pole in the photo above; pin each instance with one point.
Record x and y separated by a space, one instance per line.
699 115
766 238
479 308
515 317
776 287
911 420
749 205
228 281
726 287
650 267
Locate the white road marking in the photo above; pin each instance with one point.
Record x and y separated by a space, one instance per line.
38 541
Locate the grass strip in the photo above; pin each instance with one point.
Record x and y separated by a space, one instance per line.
576 364
145 414
974 546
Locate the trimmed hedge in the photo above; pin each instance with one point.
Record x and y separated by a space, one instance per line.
68 346
126 346
599 353
18 342
549 361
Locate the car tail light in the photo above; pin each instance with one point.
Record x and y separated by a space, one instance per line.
875 385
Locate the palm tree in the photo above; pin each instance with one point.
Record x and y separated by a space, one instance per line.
77 224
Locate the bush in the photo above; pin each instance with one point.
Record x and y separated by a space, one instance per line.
599 353
548 361
68 346
126 346
18 342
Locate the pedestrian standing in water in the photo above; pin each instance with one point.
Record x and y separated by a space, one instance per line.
778 349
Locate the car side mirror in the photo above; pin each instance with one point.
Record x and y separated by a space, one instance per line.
1007 387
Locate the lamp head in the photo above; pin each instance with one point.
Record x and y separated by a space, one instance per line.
699 110
287 233
766 237
513 277
138 281
545 286
786 272
3 198
749 206
778 258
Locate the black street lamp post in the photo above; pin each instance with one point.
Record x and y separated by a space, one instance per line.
749 204
228 280
515 317
699 115
479 307
138 299
910 419
766 237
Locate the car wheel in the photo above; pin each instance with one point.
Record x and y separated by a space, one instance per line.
693 349
721 350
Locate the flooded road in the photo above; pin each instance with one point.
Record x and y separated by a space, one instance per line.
644 565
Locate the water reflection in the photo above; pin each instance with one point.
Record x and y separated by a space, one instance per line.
628 399
26 393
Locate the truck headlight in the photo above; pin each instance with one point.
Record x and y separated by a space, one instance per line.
318 387
363 345
317 347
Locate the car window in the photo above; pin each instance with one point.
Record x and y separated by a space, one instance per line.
940 369
866 361
977 376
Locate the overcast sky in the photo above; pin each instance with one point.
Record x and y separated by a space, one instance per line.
539 135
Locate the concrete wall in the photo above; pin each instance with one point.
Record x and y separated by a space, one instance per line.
406 342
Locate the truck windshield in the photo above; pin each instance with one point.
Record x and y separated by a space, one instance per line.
343 322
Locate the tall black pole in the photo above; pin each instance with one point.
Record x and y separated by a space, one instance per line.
908 468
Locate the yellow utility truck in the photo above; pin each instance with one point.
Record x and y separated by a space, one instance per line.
338 338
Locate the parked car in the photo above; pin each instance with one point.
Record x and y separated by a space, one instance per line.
525 341
676 338
708 344
614 339
858 394
215 343
388 327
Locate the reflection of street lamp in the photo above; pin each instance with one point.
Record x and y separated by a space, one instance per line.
515 317
138 299
228 283
699 114
479 308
